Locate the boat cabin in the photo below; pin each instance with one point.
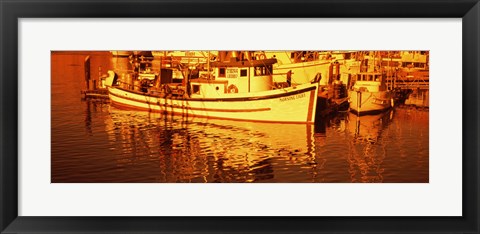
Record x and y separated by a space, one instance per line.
246 76
370 77
372 82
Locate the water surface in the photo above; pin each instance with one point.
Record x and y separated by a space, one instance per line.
93 142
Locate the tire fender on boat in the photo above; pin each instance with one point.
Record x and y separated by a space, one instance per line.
232 89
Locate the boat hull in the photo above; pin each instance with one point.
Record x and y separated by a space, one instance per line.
290 105
364 103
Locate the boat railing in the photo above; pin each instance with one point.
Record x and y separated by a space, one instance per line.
175 61
409 80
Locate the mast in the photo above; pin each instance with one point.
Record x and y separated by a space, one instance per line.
208 64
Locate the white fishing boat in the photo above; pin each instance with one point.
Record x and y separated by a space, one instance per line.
305 66
237 89
369 94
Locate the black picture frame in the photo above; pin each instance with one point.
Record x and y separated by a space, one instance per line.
11 11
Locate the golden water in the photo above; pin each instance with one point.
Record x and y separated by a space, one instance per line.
94 142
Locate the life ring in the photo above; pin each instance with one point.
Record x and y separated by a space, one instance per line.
180 92
232 89
262 57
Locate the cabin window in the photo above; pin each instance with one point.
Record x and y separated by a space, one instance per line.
243 72
263 70
221 72
196 89
258 71
390 63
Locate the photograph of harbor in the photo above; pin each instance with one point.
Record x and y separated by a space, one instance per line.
240 116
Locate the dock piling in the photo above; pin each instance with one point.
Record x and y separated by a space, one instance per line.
87 72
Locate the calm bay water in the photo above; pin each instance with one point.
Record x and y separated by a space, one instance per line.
94 142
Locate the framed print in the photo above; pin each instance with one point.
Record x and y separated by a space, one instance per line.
224 116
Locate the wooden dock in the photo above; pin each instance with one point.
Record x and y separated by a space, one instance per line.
95 94
409 80
93 91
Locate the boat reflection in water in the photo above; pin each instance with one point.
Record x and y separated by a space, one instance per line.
151 147
162 148
367 148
